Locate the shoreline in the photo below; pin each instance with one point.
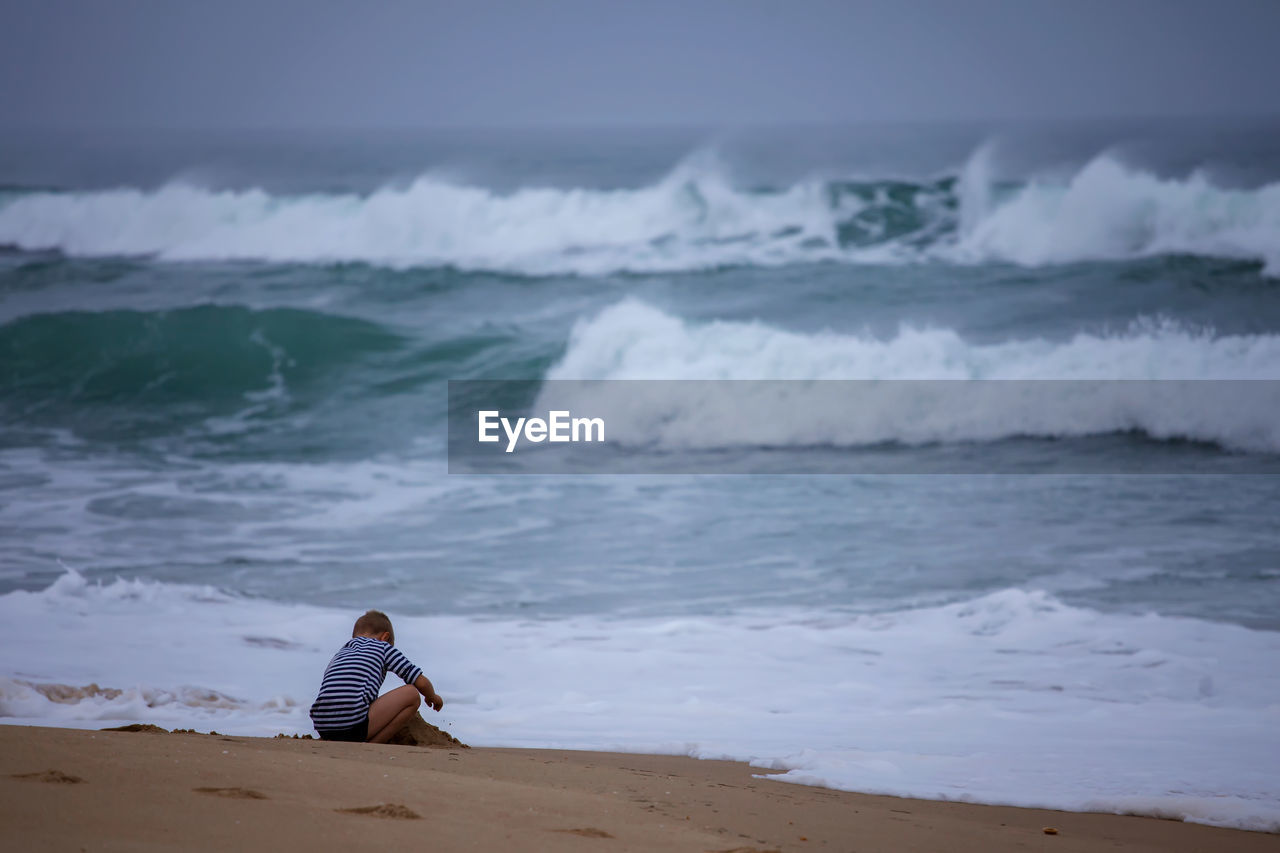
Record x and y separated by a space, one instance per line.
77 788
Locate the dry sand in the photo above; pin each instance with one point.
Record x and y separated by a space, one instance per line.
63 789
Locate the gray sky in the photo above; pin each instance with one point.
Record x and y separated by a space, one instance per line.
288 63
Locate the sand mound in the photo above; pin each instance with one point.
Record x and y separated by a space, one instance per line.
138 727
421 733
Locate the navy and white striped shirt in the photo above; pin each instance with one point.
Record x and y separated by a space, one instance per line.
352 680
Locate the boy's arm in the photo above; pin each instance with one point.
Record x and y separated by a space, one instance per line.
428 692
401 666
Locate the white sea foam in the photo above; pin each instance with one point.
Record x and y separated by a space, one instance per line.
694 218
1111 211
632 340
1013 697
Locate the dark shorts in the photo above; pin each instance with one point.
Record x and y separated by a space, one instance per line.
359 733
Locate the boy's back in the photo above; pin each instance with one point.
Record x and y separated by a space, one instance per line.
348 706
352 680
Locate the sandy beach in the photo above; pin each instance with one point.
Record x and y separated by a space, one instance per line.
67 789
746 426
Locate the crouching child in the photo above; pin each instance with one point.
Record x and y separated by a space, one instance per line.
348 706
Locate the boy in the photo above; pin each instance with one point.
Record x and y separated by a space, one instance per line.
349 707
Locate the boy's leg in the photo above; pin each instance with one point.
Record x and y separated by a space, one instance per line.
391 711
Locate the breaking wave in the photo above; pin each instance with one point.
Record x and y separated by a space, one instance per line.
694 218
1108 211
632 340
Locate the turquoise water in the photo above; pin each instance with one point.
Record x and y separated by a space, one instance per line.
223 359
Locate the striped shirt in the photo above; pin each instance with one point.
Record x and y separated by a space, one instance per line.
352 680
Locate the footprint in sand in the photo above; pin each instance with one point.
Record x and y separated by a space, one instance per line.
234 793
586 831
57 777
391 810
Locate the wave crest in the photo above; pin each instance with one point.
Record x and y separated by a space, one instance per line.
1108 211
692 219
632 340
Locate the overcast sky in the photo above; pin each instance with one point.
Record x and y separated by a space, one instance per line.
288 63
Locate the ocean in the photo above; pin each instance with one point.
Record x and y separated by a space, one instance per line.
223 370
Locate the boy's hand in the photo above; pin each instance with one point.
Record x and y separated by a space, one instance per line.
428 691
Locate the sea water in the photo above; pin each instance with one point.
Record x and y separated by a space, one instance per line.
222 436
